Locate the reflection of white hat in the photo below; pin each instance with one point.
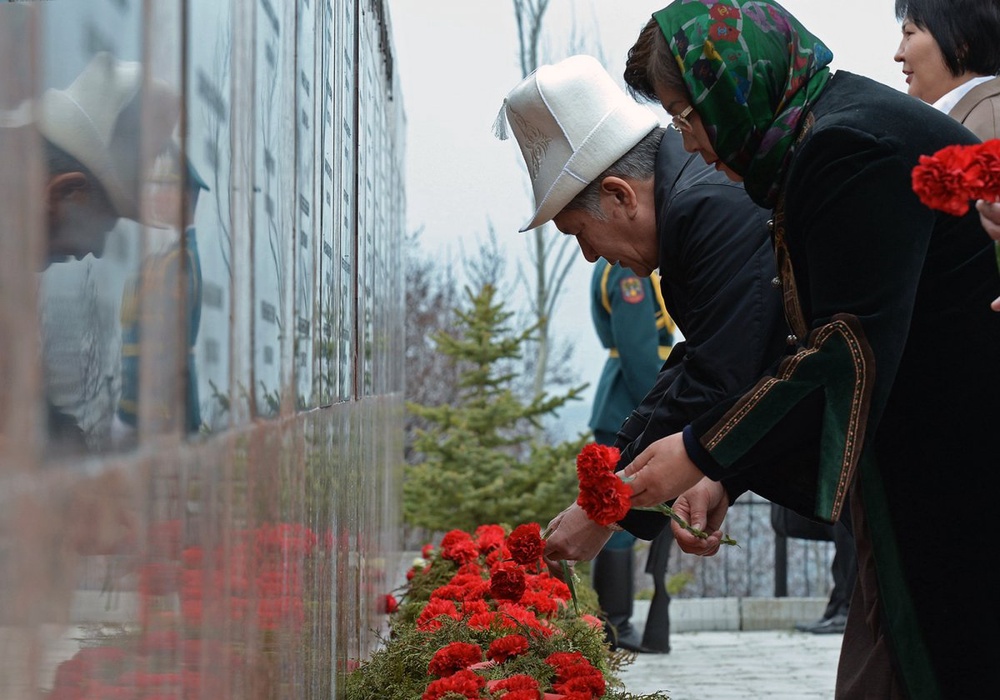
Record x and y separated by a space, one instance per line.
572 122
97 121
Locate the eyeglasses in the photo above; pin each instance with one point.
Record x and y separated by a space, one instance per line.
680 122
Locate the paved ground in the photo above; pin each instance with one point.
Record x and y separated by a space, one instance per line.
739 666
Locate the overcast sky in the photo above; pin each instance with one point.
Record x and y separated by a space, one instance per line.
457 59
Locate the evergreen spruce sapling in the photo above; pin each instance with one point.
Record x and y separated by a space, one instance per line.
484 461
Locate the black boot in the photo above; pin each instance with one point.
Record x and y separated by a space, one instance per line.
612 578
656 633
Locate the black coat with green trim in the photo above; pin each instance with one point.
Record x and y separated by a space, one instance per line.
895 388
716 272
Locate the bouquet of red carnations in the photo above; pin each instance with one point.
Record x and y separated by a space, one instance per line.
605 495
956 175
481 618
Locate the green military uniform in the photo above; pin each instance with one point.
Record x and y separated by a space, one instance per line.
632 322
158 277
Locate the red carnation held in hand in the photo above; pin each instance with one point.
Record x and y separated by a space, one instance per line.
954 175
604 497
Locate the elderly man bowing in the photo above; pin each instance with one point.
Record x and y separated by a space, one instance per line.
605 172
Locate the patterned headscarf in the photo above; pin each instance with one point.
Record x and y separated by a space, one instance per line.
752 70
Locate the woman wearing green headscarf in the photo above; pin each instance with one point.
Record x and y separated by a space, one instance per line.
890 389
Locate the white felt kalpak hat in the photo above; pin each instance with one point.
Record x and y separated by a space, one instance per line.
97 121
572 122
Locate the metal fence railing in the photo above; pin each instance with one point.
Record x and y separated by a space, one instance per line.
763 564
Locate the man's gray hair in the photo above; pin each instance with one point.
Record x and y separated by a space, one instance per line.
637 164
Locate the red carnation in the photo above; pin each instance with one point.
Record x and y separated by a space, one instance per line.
481 620
526 544
517 686
464 683
596 459
561 660
427 620
507 647
589 685
988 162
518 617
489 537
507 581
956 174
605 500
453 658
941 184
458 547
542 603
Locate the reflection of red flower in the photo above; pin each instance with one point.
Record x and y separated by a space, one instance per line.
275 613
165 539
191 612
954 175
153 641
390 604
453 658
526 544
158 578
192 557
507 581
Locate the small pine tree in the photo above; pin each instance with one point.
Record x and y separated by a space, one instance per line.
483 462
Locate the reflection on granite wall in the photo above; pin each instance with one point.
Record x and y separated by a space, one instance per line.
201 312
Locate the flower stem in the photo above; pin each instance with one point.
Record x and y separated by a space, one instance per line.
700 534
570 578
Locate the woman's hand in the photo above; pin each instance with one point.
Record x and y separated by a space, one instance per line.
989 217
662 472
572 537
704 506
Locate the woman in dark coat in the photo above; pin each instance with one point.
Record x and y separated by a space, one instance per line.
893 391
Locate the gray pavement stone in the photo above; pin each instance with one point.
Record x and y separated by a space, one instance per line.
739 665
